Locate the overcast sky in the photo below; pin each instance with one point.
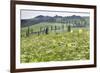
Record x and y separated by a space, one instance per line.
27 14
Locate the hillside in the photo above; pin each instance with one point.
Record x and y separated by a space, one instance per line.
75 20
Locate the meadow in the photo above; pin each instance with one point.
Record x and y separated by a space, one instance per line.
55 46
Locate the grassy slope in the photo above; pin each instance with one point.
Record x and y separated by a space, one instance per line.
55 47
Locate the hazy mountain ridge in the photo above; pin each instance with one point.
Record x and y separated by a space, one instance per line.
58 19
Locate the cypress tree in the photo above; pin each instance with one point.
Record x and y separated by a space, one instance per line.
69 28
46 30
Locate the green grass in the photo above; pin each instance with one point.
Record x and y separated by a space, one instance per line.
64 46
36 27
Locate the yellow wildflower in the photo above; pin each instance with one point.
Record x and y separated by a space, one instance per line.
80 31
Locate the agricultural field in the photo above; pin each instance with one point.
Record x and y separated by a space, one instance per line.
59 45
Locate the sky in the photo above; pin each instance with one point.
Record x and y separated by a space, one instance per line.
28 14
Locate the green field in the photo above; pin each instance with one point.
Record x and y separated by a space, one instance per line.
62 46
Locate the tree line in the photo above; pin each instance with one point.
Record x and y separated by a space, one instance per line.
48 29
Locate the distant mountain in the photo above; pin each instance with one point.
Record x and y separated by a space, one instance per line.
36 20
57 19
